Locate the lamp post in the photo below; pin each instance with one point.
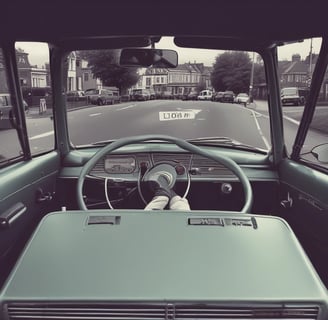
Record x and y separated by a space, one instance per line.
250 93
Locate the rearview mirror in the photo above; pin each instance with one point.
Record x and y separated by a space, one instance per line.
160 58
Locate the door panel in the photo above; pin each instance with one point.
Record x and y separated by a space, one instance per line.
27 189
307 210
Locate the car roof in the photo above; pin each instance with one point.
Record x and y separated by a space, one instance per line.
245 24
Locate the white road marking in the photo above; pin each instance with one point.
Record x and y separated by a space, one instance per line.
128 107
291 111
260 131
187 114
292 120
284 116
95 114
42 135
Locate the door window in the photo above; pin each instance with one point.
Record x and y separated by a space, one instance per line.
10 147
296 63
35 79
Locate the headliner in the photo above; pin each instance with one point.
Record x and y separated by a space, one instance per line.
257 22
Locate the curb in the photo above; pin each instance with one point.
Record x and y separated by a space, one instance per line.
34 112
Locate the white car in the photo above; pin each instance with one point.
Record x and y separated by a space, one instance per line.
205 95
242 98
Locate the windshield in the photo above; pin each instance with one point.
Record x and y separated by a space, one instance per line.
180 101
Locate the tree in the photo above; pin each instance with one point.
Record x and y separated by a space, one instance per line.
259 74
104 65
232 71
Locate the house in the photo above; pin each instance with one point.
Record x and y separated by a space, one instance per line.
85 79
31 75
176 82
296 73
71 72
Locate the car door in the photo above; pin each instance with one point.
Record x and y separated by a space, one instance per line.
29 162
304 179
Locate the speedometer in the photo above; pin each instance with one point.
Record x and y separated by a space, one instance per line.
120 164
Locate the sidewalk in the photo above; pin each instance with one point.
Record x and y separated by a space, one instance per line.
34 112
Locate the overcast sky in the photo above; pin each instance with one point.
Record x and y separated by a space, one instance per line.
38 52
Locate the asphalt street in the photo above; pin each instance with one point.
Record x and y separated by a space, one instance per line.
183 119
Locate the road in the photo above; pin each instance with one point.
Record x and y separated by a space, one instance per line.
292 116
184 119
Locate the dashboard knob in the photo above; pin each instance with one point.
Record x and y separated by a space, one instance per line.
226 188
180 169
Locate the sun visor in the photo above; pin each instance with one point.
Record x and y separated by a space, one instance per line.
226 43
103 42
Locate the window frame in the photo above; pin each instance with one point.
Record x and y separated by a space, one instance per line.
310 105
13 82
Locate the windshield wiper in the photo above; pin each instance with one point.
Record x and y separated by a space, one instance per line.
217 141
101 143
225 141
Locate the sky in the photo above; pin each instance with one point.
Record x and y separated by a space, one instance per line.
38 52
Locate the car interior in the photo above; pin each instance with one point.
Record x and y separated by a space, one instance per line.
75 240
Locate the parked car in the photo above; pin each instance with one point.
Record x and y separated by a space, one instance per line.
102 96
77 95
76 242
205 95
166 95
190 96
152 94
242 98
218 96
6 109
228 96
293 95
141 95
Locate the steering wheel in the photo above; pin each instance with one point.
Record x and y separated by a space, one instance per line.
227 162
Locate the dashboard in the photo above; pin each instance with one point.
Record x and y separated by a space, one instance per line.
212 185
129 166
